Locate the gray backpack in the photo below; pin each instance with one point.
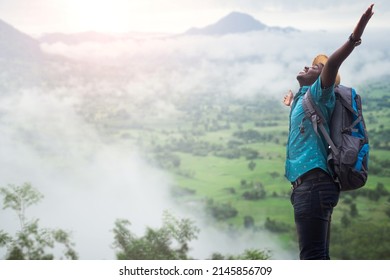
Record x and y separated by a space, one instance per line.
348 139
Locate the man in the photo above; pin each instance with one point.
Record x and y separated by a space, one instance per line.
314 193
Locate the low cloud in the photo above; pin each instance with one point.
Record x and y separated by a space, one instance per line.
87 184
241 64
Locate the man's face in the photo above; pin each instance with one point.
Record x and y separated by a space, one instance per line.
309 75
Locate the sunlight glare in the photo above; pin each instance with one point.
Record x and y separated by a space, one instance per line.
102 15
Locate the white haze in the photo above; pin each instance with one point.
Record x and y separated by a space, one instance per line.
88 182
242 65
38 16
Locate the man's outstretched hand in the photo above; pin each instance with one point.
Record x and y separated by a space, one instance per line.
359 29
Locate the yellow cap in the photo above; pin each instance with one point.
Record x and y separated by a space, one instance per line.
321 58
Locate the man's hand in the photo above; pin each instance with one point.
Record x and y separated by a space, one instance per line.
288 98
359 29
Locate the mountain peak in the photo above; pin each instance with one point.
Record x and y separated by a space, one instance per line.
246 18
14 43
234 22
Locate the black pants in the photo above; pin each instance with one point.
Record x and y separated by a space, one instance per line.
313 201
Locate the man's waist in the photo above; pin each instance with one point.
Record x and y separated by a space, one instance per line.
315 173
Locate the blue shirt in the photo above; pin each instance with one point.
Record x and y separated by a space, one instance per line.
306 150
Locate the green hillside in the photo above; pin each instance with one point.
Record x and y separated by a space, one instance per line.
226 156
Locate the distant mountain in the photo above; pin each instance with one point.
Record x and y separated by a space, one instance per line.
17 45
236 22
21 59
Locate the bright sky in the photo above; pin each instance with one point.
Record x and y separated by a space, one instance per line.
40 16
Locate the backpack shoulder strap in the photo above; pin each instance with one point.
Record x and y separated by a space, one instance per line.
314 114
347 96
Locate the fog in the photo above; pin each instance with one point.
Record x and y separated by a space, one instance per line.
240 64
88 180
87 184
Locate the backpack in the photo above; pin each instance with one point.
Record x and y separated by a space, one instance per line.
348 139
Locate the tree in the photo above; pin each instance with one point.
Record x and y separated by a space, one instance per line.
170 242
345 221
257 192
249 254
220 211
361 240
275 226
274 174
251 165
353 210
31 242
387 211
249 222
19 198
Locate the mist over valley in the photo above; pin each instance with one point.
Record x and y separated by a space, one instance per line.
110 126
